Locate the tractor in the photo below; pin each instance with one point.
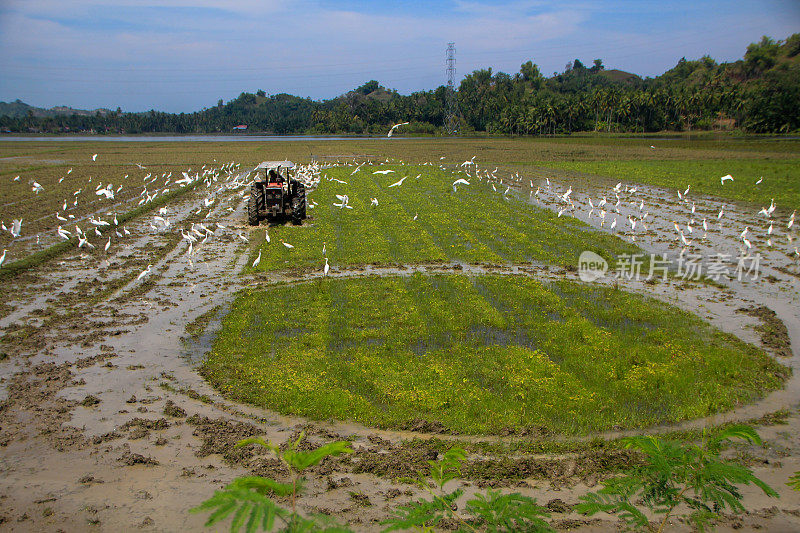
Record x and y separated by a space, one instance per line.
274 196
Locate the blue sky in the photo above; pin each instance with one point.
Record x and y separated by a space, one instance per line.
183 55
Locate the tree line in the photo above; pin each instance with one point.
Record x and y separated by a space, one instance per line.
759 93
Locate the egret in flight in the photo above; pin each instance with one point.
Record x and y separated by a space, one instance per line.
391 131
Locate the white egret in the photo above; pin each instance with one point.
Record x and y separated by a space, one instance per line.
94 157
391 131
16 227
286 244
726 177
459 181
325 269
3 257
398 183
258 259
144 272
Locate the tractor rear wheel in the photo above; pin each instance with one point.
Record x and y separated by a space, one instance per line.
252 207
299 205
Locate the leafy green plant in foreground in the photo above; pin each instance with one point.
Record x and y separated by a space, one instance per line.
794 481
492 511
677 474
248 498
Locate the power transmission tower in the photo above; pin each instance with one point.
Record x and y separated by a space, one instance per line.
451 118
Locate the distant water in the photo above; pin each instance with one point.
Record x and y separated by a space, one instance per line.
191 138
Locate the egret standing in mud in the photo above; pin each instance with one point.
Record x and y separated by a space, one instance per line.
3 258
145 272
325 269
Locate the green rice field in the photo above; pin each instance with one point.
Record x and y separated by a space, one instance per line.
480 354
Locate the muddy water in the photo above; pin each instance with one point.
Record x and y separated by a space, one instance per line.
53 444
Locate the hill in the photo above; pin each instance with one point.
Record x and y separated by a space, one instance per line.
19 109
758 93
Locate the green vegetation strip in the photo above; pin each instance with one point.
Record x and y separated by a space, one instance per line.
478 355
37 258
474 224
781 177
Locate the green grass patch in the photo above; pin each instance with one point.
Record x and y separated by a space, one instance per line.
781 177
480 355
475 224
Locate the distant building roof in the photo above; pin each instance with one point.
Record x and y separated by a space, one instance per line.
240 127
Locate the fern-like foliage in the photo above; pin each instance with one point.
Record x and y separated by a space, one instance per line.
247 499
299 461
794 481
250 508
422 514
675 474
507 512
492 512
448 467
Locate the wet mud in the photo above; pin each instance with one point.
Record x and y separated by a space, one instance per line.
105 422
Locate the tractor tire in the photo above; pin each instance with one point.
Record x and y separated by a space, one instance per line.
252 207
299 205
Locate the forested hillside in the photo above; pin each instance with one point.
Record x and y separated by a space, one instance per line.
759 93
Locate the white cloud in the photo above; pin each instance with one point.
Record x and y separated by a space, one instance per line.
127 54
